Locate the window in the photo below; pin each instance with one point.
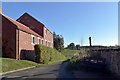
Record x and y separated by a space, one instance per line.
33 39
42 41
38 40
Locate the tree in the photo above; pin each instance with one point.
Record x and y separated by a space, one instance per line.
58 42
71 46
78 47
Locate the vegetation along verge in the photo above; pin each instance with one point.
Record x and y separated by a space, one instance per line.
46 54
13 64
69 53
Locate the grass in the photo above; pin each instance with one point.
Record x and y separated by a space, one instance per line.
69 53
12 64
49 56
9 64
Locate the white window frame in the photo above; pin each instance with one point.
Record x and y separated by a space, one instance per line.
32 39
39 40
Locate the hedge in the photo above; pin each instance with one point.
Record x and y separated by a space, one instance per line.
72 63
46 54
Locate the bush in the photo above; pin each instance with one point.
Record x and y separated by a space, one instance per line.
46 54
37 53
72 63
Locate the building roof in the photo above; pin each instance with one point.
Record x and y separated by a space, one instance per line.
35 20
21 26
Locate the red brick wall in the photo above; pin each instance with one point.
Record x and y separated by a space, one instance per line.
31 23
8 38
26 46
48 36
39 28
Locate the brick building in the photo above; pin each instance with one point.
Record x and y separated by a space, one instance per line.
37 27
18 38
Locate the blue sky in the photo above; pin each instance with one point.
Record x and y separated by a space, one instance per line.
75 21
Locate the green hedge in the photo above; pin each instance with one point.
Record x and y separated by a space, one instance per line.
46 54
72 63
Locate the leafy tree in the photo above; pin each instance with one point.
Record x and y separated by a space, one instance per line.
78 47
71 46
58 42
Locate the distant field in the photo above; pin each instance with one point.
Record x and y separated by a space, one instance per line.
12 64
69 53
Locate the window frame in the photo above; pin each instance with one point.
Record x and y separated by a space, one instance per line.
39 40
33 39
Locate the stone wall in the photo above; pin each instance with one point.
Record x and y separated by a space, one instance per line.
112 57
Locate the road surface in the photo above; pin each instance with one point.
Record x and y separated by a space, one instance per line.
56 70
52 72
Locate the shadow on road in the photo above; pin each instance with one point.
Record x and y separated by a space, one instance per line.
65 73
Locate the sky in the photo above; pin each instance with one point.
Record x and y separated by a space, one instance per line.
75 21
60 0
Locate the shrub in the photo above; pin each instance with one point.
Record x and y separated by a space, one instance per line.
37 53
72 63
46 54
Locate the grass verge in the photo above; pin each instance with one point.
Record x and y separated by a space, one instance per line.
69 53
9 64
12 64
